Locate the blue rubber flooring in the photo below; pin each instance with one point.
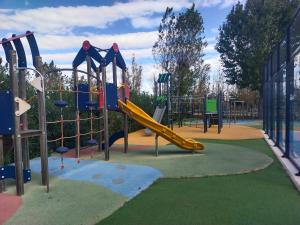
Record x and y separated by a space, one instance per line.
125 179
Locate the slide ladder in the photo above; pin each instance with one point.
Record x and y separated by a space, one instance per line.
144 119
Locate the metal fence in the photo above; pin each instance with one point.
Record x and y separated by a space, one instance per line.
282 93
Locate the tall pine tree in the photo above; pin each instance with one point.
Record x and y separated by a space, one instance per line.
179 49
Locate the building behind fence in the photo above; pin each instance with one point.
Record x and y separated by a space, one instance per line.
282 93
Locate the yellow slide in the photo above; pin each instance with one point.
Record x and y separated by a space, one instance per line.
144 119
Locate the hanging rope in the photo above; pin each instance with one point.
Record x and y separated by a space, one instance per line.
62 149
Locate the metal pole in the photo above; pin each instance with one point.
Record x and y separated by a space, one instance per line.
229 112
42 127
278 98
17 136
114 67
99 85
125 115
204 115
105 115
2 182
89 72
170 101
289 80
235 112
77 147
271 135
159 86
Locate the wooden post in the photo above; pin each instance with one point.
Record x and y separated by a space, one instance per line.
24 120
100 114
2 183
125 115
17 136
42 127
75 73
156 145
105 116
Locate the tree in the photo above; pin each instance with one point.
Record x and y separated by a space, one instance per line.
135 76
179 49
247 37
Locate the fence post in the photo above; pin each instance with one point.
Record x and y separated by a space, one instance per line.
277 96
288 96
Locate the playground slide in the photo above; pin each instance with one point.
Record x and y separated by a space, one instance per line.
144 119
113 138
157 116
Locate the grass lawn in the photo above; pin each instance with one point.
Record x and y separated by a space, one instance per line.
266 197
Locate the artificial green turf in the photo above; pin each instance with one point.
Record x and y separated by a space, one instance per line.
67 203
266 197
217 159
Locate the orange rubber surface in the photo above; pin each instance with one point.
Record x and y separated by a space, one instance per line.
9 204
234 132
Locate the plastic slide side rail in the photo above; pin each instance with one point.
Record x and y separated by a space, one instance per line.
144 119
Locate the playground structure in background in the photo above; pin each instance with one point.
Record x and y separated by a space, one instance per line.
209 109
95 102
204 111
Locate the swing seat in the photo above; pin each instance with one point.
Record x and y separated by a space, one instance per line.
92 142
60 103
62 149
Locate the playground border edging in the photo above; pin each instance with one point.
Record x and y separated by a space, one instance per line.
287 165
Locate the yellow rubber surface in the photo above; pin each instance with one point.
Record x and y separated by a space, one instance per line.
144 119
234 132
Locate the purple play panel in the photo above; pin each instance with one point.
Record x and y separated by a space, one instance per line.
125 179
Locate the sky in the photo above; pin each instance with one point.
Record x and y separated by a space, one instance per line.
60 27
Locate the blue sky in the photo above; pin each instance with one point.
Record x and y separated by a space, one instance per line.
61 26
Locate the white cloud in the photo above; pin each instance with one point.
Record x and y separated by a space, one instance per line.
228 3
63 19
145 22
58 20
214 62
125 41
214 30
54 28
207 3
210 48
211 39
149 70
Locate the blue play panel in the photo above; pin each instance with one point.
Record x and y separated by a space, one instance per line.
125 179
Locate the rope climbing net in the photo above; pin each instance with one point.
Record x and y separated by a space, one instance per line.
77 104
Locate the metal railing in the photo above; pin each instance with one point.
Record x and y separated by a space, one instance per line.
281 85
